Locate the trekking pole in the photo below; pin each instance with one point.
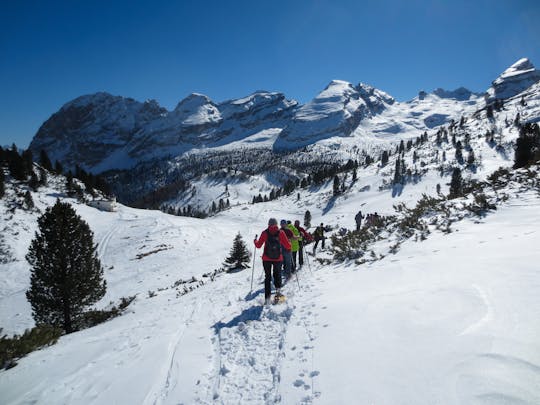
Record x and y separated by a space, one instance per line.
253 267
296 274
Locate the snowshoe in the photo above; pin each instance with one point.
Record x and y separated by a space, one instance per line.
279 298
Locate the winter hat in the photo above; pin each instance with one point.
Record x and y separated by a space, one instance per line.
283 222
288 222
272 221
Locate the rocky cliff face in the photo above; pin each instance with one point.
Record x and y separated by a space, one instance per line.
101 131
336 111
517 78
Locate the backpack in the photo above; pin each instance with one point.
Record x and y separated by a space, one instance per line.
272 247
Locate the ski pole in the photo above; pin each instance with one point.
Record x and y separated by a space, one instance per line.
253 267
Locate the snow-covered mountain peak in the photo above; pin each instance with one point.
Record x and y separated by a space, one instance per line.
196 109
522 66
517 78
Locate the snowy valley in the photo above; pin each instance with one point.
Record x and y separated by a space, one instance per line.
439 305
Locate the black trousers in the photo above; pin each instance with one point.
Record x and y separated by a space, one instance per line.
301 253
317 242
268 266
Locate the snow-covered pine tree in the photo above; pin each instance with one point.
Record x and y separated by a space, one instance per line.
239 256
66 275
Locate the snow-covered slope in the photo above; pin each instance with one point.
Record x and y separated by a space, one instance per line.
453 319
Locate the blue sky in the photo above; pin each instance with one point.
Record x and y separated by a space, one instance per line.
54 51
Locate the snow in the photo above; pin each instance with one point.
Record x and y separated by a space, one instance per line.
453 319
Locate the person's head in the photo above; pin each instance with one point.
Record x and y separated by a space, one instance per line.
272 221
288 222
322 225
283 223
297 223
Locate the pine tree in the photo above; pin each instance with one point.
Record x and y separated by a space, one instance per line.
456 186
384 158
45 161
33 183
307 219
459 152
2 186
66 275
28 200
527 145
42 177
336 185
397 173
239 255
58 168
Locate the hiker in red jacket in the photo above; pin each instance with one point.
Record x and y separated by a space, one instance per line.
273 239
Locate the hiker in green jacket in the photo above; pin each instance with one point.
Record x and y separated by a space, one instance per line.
294 243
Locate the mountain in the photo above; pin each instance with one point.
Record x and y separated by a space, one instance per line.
101 131
336 111
182 156
517 78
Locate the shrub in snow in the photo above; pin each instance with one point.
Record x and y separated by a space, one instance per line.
66 276
17 346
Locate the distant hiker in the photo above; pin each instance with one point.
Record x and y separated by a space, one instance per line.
274 241
358 218
287 255
295 245
318 235
304 239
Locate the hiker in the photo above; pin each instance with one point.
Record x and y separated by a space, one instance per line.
358 218
318 236
287 255
304 239
274 241
295 245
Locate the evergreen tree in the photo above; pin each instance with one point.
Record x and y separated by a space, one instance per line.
471 158
42 177
34 181
28 161
459 152
489 111
45 161
527 145
58 168
239 255
2 186
456 184
307 219
336 185
397 172
16 165
66 275
28 200
384 158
